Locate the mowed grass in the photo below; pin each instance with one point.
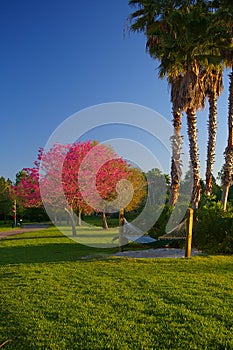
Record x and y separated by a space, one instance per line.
51 298
6 227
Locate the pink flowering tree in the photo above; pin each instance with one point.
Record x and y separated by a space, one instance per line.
78 178
101 176
87 182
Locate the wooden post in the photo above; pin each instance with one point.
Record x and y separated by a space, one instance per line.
189 233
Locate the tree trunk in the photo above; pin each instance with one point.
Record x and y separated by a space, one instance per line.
121 229
212 130
55 217
71 215
227 177
194 156
104 221
225 192
79 212
176 171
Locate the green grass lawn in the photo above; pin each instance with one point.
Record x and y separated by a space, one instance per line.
5 226
51 298
4 229
97 221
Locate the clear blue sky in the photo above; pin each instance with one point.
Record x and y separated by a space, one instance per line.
58 57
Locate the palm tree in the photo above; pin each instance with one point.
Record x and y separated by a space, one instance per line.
180 41
204 47
151 18
228 166
214 87
178 44
157 50
224 22
191 97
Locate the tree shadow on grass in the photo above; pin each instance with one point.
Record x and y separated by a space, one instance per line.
18 237
56 252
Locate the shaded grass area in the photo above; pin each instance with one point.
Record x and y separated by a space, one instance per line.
52 299
48 245
6 226
97 221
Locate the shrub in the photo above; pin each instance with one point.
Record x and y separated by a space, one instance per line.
214 230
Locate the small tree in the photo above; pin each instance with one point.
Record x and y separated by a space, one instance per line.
5 198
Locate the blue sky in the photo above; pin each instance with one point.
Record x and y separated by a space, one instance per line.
58 57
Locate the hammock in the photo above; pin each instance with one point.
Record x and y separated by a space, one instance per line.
134 234
145 239
178 232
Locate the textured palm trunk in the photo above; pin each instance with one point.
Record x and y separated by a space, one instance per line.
176 170
104 221
194 156
228 166
212 130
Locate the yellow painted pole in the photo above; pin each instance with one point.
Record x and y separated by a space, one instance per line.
189 233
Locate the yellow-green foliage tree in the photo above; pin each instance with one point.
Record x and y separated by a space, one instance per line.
5 198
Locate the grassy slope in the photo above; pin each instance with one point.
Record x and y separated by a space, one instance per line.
52 299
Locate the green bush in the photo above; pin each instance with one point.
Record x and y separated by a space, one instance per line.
160 225
214 229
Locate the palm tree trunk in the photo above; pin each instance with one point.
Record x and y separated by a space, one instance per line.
176 171
104 221
228 166
212 130
194 156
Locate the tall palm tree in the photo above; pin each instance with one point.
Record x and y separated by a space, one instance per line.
151 18
214 87
228 165
203 47
157 50
180 41
177 41
191 97
224 23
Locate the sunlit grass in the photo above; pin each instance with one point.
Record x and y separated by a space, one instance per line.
52 298
5 229
93 236
5 226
